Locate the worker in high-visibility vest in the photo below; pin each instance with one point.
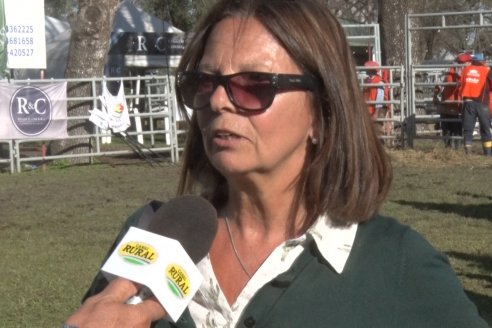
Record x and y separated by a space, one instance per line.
375 91
474 90
446 97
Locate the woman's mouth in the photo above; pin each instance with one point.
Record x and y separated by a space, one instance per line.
225 135
225 138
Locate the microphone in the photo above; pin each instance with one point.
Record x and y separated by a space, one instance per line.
189 219
162 257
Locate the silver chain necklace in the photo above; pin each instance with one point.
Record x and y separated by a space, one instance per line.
235 249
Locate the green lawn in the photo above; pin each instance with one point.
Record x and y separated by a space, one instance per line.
56 225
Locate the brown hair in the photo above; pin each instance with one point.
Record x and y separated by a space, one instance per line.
347 173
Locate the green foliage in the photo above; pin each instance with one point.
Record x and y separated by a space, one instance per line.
60 9
60 163
181 13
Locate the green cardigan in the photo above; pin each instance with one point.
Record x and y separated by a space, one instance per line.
393 278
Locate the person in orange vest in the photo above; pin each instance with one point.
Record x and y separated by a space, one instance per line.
474 91
373 93
446 97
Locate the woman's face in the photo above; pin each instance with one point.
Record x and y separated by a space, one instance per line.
273 141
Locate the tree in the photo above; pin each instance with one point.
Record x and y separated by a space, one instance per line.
437 43
353 11
91 29
181 13
429 44
89 45
391 20
60 9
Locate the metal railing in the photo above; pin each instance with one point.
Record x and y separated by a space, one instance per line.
393 116
422 78
159 129
429 112
153 113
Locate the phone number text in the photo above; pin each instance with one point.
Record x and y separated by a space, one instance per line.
20 40
21 52
19 29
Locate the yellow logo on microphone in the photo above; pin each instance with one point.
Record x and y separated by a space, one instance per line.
138 253
177 280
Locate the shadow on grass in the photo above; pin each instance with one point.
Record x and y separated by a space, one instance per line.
484 262
472 195
483 304
478 211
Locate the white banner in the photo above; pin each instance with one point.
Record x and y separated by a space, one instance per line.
113 114
26 43
116 108
33 111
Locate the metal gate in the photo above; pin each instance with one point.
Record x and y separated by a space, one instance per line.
153 112
423 116
390 121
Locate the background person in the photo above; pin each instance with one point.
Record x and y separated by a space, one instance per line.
474 91
281 145
376 92
448 100
373 93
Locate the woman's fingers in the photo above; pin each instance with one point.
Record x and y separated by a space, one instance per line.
151 308
109 309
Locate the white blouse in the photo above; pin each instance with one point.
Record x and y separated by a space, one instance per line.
209 308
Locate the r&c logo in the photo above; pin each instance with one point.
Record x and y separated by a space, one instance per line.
30 110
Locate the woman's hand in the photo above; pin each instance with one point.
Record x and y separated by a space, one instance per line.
108 309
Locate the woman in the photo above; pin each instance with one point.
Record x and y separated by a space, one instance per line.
281 144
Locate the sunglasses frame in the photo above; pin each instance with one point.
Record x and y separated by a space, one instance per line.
279 82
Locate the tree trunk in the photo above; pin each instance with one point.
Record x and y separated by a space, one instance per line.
392 25
89 46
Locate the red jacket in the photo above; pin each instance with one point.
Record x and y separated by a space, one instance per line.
449 93
371 92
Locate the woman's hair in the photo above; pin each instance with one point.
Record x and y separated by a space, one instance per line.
346 174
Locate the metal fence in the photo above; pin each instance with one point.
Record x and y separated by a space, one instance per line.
410 112
156 126
392 117
424 119
160 131
426 109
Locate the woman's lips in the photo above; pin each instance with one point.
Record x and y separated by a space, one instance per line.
225 138
225 135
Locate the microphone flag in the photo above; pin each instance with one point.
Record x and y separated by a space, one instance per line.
159 263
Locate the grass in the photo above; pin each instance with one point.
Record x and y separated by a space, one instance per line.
447 197
56 225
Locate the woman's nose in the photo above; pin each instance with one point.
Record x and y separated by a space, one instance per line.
219 100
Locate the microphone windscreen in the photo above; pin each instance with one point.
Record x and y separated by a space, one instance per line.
189 219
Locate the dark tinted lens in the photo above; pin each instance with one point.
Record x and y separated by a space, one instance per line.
196 89
253 91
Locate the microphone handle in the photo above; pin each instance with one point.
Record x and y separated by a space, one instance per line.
142 295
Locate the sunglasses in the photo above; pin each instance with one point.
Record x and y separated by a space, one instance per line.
248 91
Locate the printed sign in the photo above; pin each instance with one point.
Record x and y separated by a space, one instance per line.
25 31
131 43
33 111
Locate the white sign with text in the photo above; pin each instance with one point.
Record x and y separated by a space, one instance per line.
25 29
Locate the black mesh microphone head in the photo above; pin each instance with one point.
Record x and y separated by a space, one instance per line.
191 220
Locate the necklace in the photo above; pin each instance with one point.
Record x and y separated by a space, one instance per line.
235 249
